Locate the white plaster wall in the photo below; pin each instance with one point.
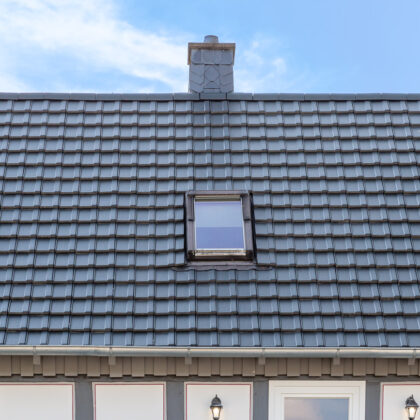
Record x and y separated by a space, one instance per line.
393 399
236 400
129 401
36 401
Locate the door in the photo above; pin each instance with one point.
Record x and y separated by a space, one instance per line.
316 400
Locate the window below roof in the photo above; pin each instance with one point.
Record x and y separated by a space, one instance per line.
42 400
129 400
323 400
219 225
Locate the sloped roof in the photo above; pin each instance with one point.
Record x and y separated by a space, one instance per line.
92 219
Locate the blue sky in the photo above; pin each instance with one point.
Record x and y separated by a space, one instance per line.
141 46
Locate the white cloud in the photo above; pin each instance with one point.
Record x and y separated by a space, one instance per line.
260 68
45 44
90 32
10 83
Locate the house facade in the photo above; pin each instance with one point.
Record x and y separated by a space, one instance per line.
159 249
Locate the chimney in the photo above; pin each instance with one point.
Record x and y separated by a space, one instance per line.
211 66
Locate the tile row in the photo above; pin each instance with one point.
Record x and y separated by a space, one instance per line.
297 221
263 202
331 161
177 257
153 275
216 339
22 244
366 147
223 323
225 132
293 310
203 120
379 176
314 296
304 189
154 104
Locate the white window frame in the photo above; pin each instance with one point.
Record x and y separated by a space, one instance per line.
27 385
123 385
355 391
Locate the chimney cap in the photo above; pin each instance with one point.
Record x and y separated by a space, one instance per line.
211 42
211 39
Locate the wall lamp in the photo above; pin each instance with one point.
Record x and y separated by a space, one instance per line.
411 406
216 407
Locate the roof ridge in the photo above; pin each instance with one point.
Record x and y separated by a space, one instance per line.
207 96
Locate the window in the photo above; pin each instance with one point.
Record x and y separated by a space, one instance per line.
219 225
326 400
37 401
129 401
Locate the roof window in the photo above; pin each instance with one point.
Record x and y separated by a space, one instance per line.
219 225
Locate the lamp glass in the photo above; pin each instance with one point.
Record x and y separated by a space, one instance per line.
216 413
412 411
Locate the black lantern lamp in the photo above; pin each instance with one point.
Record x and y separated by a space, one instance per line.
411 406
216 407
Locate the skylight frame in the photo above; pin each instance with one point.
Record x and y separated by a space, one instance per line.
220 254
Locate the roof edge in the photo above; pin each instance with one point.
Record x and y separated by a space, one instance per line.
209 96
231 352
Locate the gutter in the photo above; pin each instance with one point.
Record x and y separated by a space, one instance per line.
213 352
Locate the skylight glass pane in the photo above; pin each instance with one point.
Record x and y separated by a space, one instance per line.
316 408
219 224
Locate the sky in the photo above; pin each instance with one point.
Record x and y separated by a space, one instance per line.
140 46
321 408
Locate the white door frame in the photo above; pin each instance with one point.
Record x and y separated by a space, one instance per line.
355 391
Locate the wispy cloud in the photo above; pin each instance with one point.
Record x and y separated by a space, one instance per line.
11 83
261 67
91 33
86 45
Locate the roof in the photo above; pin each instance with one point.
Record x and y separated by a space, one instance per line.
92 219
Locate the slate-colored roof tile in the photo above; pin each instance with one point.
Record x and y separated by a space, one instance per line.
92 221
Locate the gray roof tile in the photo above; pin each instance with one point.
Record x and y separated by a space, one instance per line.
91 219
